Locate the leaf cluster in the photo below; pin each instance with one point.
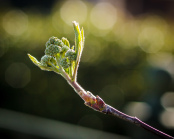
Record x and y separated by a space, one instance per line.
60 56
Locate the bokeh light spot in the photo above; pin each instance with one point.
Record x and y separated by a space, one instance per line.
15 22
161 59
17 75
73 10
151 39
139 109
167 119
167 100
103 16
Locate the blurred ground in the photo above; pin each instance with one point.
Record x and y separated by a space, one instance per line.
127 60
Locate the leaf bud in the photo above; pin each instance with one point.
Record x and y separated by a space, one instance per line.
52 39
58 42
65 41
47 43
64 62
45 60
52 50
65 48
70 54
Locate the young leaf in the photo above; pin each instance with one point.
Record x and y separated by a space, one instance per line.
37 63
65 41
79 44
34 60
78 37
83 38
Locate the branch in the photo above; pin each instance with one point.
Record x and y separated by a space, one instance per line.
64 60
99 105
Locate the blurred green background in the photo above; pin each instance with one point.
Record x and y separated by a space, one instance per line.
127 60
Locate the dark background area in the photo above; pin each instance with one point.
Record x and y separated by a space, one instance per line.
127 61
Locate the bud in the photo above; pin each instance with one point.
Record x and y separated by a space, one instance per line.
58 42
52 50
45 60
52 39
47 43
65 41
71 54
65 48
64 62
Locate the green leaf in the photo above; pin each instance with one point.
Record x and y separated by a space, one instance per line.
79 41
65 41
34 60
83 38
72 66
79 44
37 63
78 37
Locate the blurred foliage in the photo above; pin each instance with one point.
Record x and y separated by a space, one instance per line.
118 49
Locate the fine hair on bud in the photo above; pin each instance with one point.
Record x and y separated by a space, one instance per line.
52 39
52 50
55 41
70 54
64 62
45 60
65 48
